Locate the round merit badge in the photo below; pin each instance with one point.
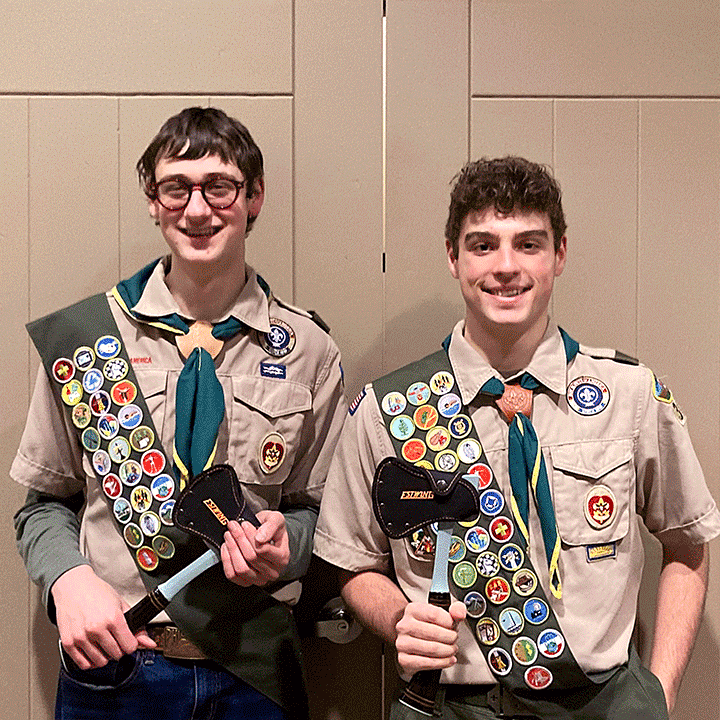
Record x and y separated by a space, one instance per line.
402 427
538 677
599 506
81 415
123 392
111 486
511 557
487 631
413 450
499 661
492 502
72 392
464 574
446 461
164 547
524 650
425 417
280 341
477 539
84 358
457 550
475 604
107 347
536 611
153 462
93 380
438 438
501 528
115 369
418 393
422 544
483 474
147 558
524 581
63 370
460 426
551 643
394 403
442 382
587 395
511 621
130 416
487 564
449 405
469 451
497 590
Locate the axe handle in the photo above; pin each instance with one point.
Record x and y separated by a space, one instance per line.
155 602
421 690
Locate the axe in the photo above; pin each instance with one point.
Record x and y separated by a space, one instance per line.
204 508
405 498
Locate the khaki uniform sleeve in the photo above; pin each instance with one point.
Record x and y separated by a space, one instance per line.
348 534
304 485
673 497
49 458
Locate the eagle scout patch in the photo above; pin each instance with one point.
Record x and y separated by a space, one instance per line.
587 395
600 506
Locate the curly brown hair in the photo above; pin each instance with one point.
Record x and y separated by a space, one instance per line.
506 184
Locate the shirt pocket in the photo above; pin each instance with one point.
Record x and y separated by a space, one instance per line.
582 475
155 392
266 424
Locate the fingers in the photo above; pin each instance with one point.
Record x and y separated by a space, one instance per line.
255 556
427 637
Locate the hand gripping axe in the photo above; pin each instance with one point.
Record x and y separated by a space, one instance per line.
405 498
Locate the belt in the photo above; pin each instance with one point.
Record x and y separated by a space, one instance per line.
495 697
173 644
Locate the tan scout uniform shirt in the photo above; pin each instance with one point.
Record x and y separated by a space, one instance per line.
636 446
307 409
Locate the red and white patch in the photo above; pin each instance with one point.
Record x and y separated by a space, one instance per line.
600 506
272 452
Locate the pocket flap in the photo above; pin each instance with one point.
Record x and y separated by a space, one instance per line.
272 397
592 459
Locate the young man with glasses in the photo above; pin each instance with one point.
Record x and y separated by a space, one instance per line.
190 363
535 457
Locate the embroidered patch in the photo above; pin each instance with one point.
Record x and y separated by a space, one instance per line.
280 341
538 677
273 371
272 452
588 395
355 404
499 661
393 403
599 506
661 391
600 552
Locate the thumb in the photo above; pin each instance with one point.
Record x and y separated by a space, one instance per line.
457 611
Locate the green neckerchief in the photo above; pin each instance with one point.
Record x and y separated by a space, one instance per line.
199 399
528 472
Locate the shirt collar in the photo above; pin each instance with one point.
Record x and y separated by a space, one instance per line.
548 364
251 306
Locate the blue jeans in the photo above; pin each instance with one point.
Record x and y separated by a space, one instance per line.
147 685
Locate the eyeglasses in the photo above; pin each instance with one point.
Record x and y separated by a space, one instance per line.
218 193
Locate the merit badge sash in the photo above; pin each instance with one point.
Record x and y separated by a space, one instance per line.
244 629
490 571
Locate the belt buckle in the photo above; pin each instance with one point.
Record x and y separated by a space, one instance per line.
177 647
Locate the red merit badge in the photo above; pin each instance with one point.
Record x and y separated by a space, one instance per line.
484 474
414 450
600 506
538 677
272 452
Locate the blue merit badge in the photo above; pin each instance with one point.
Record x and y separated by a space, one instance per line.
273 371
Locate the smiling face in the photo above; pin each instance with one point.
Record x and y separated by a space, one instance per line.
199 236
506 266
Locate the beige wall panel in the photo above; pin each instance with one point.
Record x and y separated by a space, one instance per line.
337 255
596 164
73 200
270 243
14 586
338 176
566 47
512 127
427 143
72 193
139 119
678 313
131 46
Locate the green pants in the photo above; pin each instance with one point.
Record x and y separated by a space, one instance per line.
632 693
